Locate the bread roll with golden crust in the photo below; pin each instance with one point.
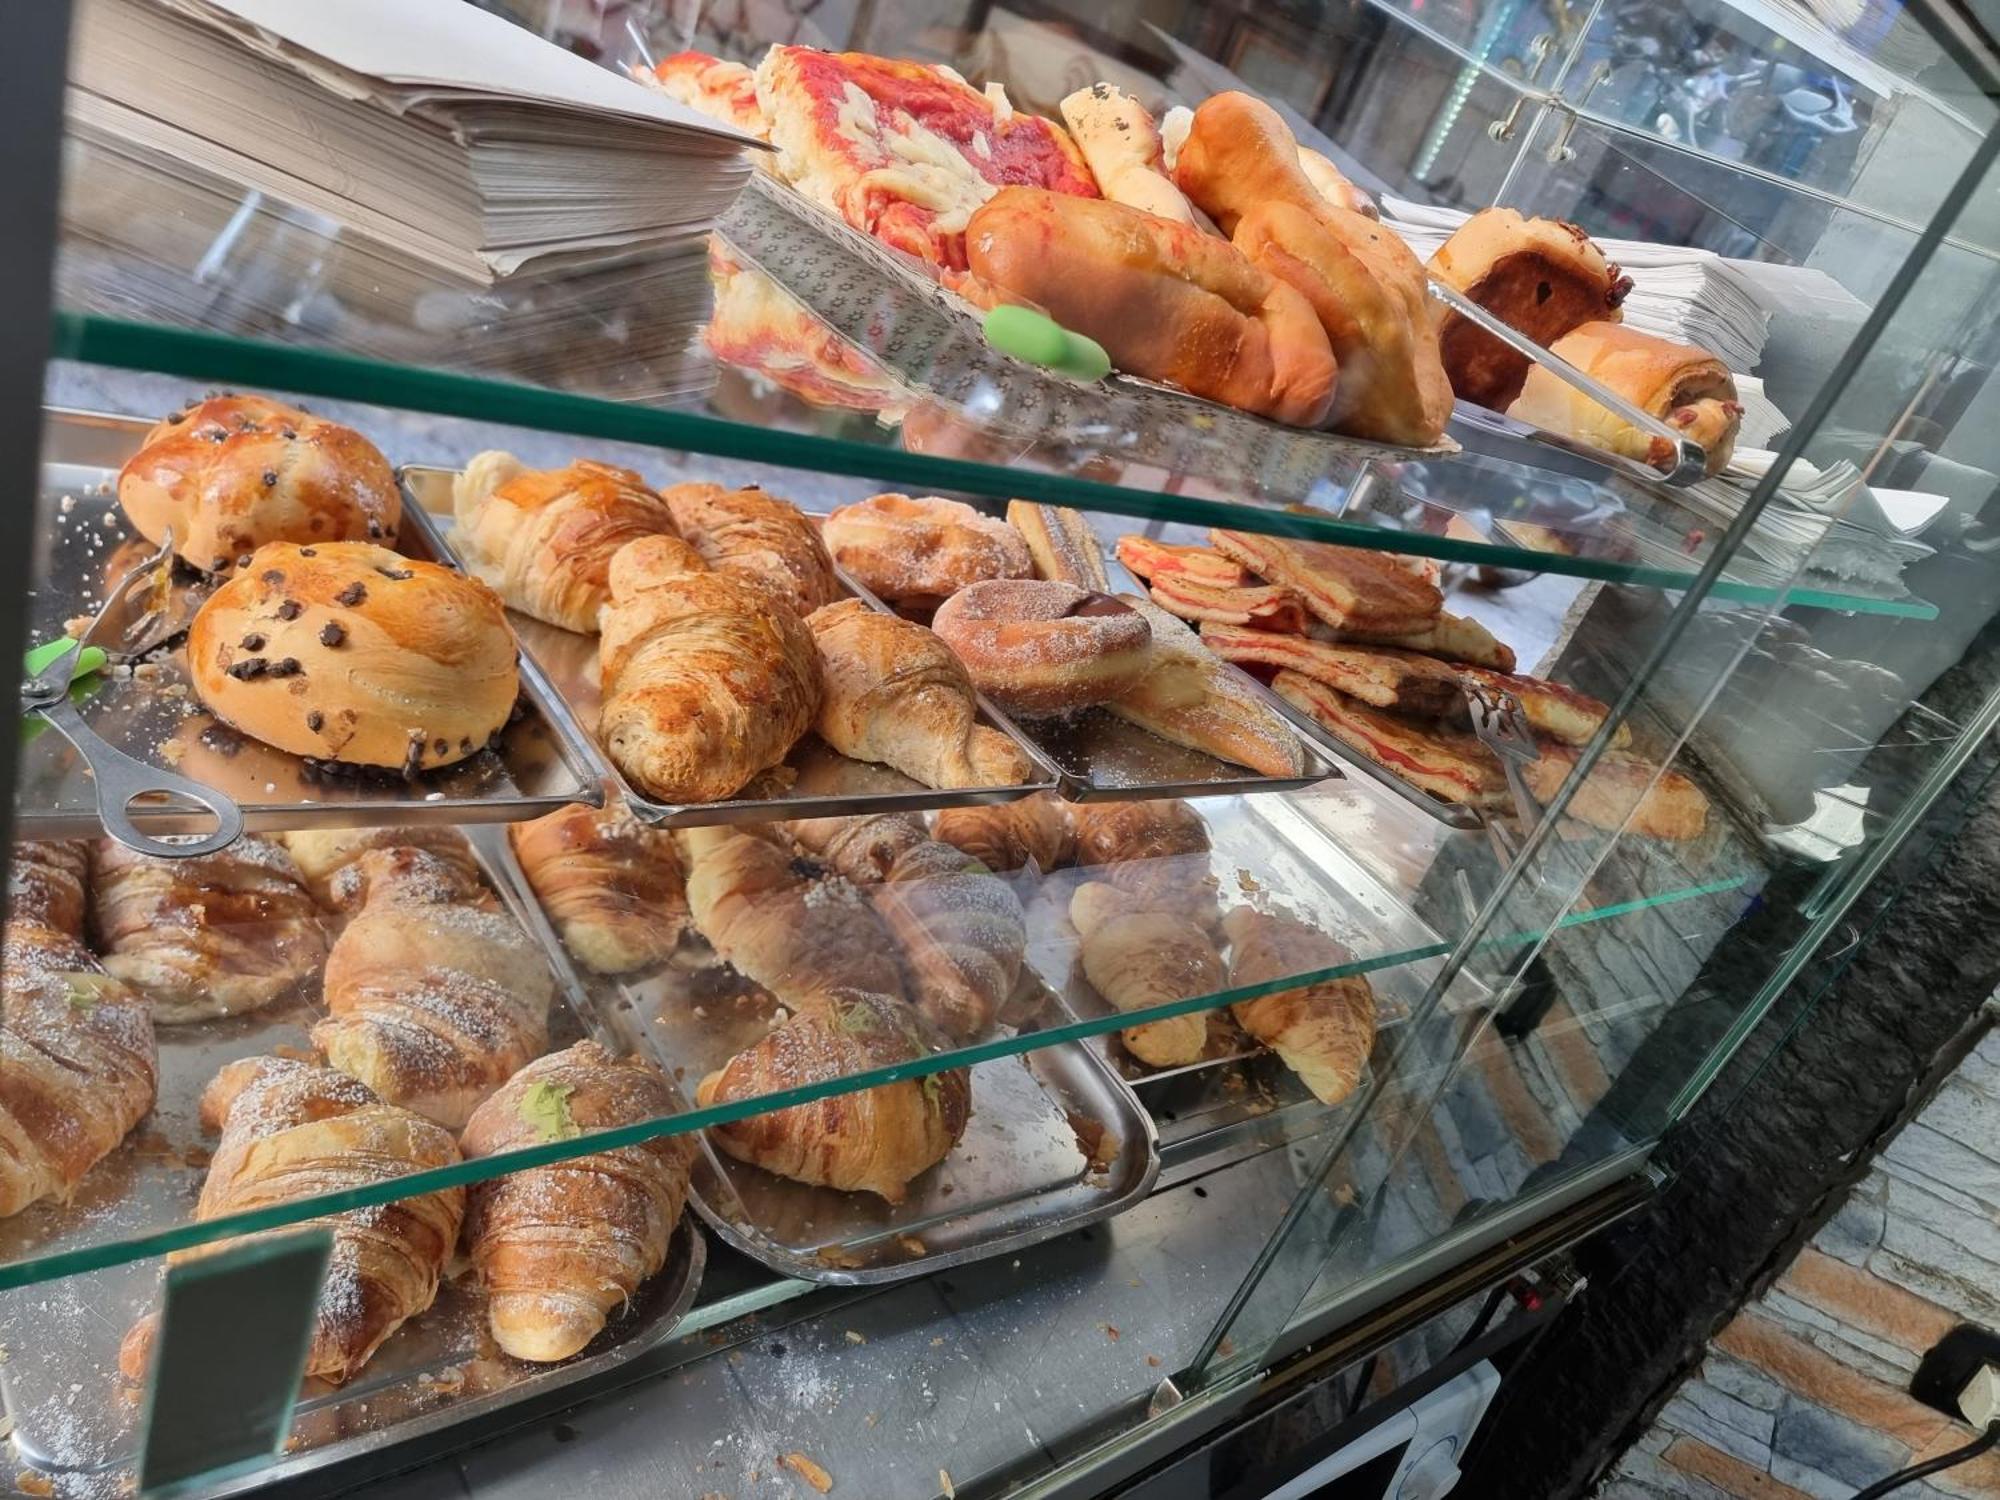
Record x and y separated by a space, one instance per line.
1165 300
1006 836
1122 147
561 1248
1138 956
350 652
875 1140
896 694
749 532
1683 386
544 538
708 678
917 552
1040 649
612 885
234 472
1543 277
1322 1031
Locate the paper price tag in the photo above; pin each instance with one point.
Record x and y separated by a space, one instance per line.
227 1361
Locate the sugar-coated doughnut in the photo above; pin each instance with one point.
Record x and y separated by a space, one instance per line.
1039 648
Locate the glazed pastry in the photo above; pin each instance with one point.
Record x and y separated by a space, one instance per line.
543 538
875 1140
1041 649
783 921
234 472
962 934
1138 957
1191 697
916 553
1322 1031
559 1249
861 848
350 652
216 935
327 859
1156 852
1560 713
434 1006
708 678
759 536
1060 541
291 1130
1402 680
1685 387
1010 835
1622 794
612 885
896 694
1154 560
1122 144
1448 763
1543 277
78 1067
1345 587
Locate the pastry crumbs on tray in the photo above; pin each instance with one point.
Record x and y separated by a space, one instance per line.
856 1338
807 1470
945 1484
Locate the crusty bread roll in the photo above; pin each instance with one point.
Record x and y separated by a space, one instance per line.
1165 300
1122 145
1541 276
1683 386
350 652
234 472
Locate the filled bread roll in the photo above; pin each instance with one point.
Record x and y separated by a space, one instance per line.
234 472
1685 387
917 552
1541 276
1122 146
1039 649
354 653
1166 301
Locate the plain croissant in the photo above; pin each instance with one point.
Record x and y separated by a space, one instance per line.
331 861
1321 1031
873 1140
1138 957
612 885
862 847
1008 835
756 535
962 933
708 678
784 921
1156 852
290 1131
560 1248
895 693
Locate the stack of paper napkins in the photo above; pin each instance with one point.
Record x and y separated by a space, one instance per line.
435 128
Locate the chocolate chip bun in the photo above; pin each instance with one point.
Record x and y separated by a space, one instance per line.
354 653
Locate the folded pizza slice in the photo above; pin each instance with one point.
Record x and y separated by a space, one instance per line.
1346 587
1452 637
1377 675
1447 763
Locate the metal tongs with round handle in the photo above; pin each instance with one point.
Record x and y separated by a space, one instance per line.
119 779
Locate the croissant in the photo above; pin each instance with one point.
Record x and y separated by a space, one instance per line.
895 693
45 885
1156 852
612 885
328 861
1321 1031
543 538
783 921
434 1006
215 935
708 678
1008 835
1137 957
560 1248
77 1064
291 1130
860 848
749 532
874 1140
962 933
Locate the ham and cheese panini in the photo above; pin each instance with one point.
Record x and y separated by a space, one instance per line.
1347 588
1268 606
1621 794
1385 678
1450 636
1560 713
725 91
905 150
1149 559
757 325
1447 763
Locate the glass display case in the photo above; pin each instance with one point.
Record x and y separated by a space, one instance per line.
719 1008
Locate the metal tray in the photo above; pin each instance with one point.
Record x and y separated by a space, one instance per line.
58 1376
540 764
1055 1142
824 784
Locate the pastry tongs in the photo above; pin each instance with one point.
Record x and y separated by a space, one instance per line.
139 615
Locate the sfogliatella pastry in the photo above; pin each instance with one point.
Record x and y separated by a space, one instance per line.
561 1248
612 885
544 537
759 536
330 861
863 847
1156 852
350 652
1685 387
916 552
961 931
1041 649
234 472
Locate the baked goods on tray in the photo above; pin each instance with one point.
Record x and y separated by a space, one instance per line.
1122 147
1685 387
757 535
1138 955
917 552
1345 587
612 886
1062 544
1553 710
1039 649
349 652
231 473
757 325
1381 675
331 862
1324 1030
1157 852
1448 763
722 90
861 847
961 932
1623 792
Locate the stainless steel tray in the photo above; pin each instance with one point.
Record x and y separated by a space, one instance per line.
824 783
540 764
58 1376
